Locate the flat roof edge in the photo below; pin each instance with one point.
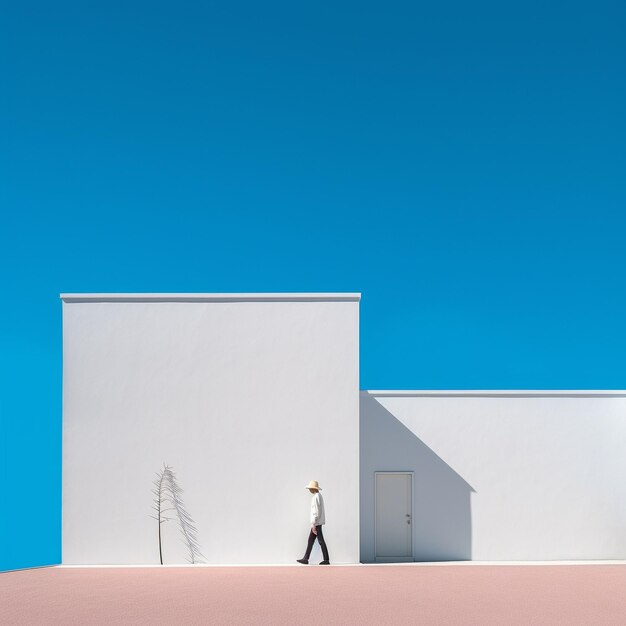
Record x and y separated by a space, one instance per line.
210 297
515 393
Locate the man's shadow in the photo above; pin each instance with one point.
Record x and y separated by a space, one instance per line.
442 523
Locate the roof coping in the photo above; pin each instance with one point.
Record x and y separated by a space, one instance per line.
209 297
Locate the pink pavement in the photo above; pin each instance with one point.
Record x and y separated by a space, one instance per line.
451 594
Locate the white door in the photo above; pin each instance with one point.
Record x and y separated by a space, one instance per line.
394 516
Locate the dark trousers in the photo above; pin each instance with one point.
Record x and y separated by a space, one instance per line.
320 538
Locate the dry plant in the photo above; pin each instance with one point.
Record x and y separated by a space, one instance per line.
168 497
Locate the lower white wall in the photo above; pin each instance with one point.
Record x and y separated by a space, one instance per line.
497 476
246 400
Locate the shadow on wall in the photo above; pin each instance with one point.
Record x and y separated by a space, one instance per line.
442 523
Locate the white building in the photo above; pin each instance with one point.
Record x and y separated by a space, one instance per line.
249 396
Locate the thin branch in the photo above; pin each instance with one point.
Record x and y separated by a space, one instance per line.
168 490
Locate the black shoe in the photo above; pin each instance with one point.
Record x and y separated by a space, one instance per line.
303 561
324 562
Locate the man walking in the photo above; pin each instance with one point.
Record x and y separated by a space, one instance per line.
318 519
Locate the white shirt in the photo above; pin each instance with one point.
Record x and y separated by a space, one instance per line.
317 509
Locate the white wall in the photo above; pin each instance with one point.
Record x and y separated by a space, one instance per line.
502 476
246 397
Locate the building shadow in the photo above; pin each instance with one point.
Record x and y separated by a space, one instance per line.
442 522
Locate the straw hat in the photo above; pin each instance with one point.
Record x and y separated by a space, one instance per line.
313 485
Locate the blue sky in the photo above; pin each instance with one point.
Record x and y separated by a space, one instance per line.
462 165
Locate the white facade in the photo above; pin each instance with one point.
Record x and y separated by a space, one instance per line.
250 396
501 475
246 396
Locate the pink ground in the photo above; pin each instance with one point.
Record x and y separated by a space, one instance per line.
463 594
